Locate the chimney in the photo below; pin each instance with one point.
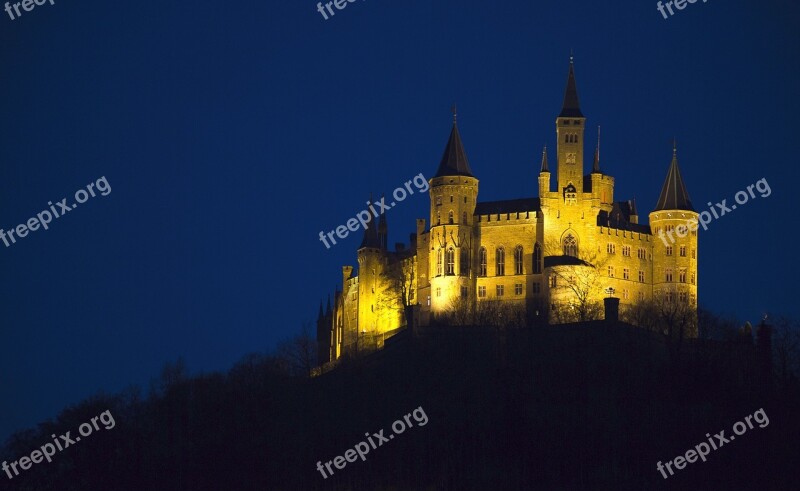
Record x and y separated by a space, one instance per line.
612 309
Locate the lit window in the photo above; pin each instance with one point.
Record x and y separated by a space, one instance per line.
500 290
570 246
439 262
450 259
482 270
500 261
626 274
537 259
518 289
481 291
611 248
518 260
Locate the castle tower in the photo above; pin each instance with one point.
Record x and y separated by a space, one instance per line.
674 227
569 130
454 193
544 175
370 270
602 185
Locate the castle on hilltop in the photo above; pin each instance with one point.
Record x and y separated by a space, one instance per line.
548 257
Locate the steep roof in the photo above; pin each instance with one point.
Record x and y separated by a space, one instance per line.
673 194
571 107
507 206
454 161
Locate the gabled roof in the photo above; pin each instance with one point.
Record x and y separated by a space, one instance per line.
454 161
673 194
620 217
507 206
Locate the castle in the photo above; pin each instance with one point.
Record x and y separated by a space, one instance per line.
551 256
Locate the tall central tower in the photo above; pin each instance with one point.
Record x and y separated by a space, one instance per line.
569 130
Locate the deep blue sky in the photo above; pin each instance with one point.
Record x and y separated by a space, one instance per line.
232 133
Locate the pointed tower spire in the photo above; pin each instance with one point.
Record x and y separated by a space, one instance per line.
673 194
383 230
545 167
454 161
371 230
328 310
319 316
571 107
596 166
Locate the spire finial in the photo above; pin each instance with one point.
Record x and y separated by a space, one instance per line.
455 112
571 56
674 147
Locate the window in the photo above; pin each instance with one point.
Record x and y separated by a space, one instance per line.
518 260
570 246
429 304
642 254
611 271
464 292
450 259
500 261
481 292
537 259
694 254
438 201
670 228
641 276
682 276
518 289
683 251
439 262
611 249
450 217
641 296
553 282
668 275
500 290
537 287
465 200
626 251
693 278
683 297
626 274
669 250
438 291
670 296
482 266
438 217
451 198
464 262
625 293
464 217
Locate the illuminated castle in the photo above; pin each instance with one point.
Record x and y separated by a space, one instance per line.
550 256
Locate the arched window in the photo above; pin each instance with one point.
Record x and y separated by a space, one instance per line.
570 246
464 262
450 217
439 263
451 261
482 267
500 261
438 217
518 260
537 259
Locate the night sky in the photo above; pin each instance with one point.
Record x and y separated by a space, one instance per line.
232 133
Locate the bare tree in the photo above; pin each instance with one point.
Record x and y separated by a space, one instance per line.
579 282
298 355
397 293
